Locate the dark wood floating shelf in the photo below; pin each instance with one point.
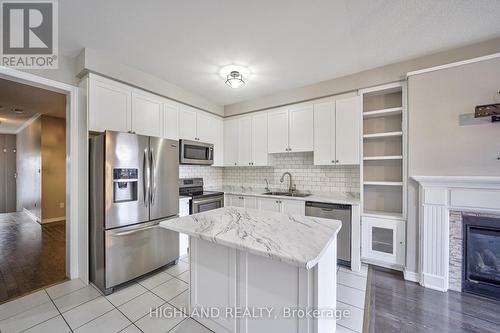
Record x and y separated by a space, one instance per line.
489 110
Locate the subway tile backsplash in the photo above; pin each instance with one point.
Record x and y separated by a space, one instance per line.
306 176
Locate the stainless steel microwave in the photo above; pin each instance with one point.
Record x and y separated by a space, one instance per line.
195 152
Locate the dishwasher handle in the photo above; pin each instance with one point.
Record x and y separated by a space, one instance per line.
327 206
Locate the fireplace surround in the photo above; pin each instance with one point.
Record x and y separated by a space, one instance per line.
481 256
440 197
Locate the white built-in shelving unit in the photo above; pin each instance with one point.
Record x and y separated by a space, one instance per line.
383 175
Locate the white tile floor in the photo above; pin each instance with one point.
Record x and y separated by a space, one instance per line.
74 307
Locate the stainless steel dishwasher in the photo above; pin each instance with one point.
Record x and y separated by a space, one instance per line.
335 212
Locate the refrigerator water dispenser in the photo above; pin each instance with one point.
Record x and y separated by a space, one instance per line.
124 185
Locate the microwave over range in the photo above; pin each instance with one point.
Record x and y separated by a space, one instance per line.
195 152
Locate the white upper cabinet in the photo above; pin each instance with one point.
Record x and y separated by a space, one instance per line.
109 105
324 133
171 120
347 128
218 138
187 123
301 136
291 130
277 129
147 113
245 141
205 123
337 132
231 142
259 139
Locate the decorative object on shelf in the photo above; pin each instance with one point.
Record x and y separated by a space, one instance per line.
489 110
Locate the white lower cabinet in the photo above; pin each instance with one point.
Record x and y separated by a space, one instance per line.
383 241
269 204
296 207
183 238
240 201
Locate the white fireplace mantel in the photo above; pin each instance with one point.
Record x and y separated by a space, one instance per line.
437 196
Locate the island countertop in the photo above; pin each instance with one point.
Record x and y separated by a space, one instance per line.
298 240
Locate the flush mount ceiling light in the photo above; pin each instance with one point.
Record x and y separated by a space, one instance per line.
234 75
235 79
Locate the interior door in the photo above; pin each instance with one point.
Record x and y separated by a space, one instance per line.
7 173
164 177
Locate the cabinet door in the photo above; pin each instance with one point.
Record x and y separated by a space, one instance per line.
348 136
171 120
147 117
187 123
259 139
301 135
277 131
232 200
245 141
269 204
250 202
324 133
205 127
218 139
383 240
231 142
109 106
295 207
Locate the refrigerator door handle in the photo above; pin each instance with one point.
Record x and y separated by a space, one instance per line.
146 177
153 177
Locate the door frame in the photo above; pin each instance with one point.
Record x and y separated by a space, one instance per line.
76 176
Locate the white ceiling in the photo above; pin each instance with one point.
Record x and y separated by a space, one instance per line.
286 43
31 100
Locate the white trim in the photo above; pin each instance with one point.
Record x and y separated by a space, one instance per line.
54 219
74 162
453 64
411 276
31 215
27 123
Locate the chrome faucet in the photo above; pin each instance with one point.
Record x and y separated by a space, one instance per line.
290 185
267 185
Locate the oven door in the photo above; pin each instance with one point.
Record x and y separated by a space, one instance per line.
204 204
194 152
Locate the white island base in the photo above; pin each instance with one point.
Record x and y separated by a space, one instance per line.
226 278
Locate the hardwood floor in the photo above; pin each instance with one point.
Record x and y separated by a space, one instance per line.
31 256
400 306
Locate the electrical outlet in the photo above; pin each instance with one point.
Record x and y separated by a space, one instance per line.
61 205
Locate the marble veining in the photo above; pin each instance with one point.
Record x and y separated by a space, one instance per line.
298 240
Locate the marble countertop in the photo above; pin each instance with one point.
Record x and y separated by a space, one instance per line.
297 240
345 198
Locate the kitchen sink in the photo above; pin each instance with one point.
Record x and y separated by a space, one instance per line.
289 194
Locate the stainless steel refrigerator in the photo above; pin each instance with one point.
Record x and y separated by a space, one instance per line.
133 186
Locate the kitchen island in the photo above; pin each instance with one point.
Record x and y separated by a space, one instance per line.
259 271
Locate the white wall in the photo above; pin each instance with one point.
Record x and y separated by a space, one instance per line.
372 77
438 144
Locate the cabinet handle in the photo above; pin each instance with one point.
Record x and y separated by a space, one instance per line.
235 163
333 161
336 161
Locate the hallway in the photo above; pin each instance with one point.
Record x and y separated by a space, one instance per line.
32 256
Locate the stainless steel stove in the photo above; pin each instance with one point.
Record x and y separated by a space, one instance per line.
201 200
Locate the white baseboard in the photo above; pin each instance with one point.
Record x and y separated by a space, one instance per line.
54 219
411 276
434 282
31 215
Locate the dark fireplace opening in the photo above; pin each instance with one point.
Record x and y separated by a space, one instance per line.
481 256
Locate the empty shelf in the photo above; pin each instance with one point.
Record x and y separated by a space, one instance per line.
384 183
381 158
382 135
383 112
381 214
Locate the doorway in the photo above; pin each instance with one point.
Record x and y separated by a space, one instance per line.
32 188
